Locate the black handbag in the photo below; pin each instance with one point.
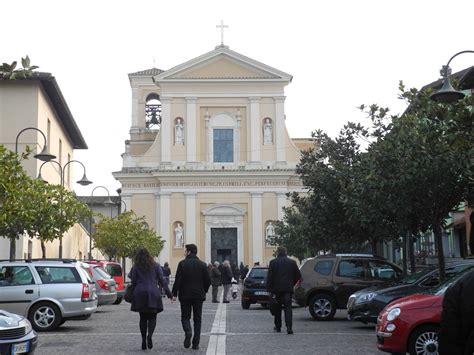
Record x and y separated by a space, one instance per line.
128 296
273 305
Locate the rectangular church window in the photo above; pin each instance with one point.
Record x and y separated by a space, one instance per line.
223 145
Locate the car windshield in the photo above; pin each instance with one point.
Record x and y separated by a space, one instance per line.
441 289
258 273
101 274
411 279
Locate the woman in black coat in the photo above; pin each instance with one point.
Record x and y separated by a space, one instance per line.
146 275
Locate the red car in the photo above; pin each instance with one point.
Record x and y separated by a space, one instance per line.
114 269
411 324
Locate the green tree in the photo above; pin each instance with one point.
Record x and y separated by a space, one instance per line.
16 205
30 207
429 149
123 235
319 220
57 210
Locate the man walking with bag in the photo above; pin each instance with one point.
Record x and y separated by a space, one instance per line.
283 274
191 284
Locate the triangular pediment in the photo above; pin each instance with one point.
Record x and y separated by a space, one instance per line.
222 64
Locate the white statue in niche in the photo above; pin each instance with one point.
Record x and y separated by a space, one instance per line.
270 230
267 131
179 132
179 235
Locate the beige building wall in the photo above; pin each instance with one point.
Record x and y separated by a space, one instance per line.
25 103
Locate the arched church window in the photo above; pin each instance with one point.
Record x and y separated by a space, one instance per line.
223 135
223 145
153 111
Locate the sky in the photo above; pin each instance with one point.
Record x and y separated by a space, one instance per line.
341 54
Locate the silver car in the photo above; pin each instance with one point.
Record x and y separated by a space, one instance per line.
16 334
105 285
47 292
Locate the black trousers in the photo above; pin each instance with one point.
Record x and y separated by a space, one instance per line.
215 290
284 299
196 307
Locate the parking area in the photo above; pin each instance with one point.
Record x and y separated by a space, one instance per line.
114 329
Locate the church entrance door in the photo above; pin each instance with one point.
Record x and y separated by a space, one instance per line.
224 245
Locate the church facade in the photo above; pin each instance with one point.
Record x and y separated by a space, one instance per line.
209 160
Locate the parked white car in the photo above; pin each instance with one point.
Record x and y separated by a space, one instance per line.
47 292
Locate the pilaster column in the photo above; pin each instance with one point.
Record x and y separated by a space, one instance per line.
191 227
257 227
255 131
135 111
237 137
281 202
157 212
207 119
165 227
191 130
280 128
165 130
127 201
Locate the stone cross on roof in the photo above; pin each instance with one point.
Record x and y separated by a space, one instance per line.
222 26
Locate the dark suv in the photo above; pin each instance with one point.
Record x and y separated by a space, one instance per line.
328 280
255 288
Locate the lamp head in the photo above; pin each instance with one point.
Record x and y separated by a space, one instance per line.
109 201
45 155
447 93
84 181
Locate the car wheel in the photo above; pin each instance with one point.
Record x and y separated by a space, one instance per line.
322 307
424 340
118 300
245 305
44 316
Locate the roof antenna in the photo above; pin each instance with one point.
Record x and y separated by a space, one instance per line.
153 61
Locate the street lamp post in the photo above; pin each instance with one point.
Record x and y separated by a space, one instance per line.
108 202
45 156
84 181
447 94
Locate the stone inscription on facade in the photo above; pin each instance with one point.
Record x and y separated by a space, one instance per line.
211 184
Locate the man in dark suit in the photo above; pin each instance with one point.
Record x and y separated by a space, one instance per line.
283 274
191 284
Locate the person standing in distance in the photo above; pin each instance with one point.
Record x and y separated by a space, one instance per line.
283 274
191 284
215 281
226 277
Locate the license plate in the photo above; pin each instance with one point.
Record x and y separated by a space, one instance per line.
261 293
20 348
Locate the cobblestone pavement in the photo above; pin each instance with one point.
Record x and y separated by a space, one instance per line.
226 329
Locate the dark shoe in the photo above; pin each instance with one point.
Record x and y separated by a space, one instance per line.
276 329
196 346
226 301
149 342
187 339
143 345
215 301
289 331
